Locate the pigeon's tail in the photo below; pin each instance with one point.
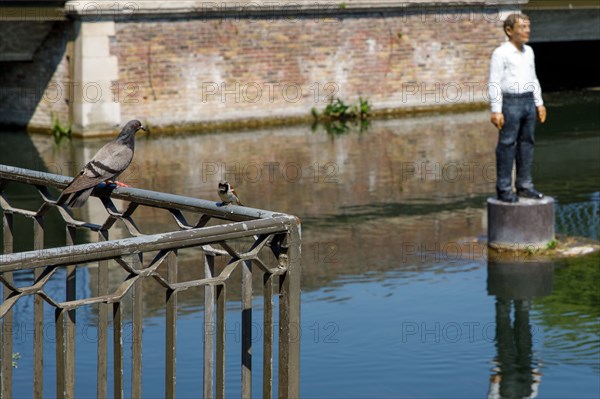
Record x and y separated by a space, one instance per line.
79 198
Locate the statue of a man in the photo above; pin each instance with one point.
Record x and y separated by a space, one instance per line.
516 98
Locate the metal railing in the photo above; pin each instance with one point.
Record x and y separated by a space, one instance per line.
581 219
270 242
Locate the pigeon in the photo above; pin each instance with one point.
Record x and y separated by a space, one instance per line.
228 194
108 163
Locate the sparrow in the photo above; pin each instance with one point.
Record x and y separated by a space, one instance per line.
108 163
228 194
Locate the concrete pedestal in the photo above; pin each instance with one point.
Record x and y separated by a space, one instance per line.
521 225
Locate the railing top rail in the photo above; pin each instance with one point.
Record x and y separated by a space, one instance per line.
90 252
140 196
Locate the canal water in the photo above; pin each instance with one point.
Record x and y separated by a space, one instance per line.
399 296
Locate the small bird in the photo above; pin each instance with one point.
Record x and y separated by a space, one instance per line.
228 194
108 163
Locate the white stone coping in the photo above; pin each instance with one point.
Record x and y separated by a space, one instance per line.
105 9
132 8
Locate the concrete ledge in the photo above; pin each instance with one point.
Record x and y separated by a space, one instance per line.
31 13
524 223
211 126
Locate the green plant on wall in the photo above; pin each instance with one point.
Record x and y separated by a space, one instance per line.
336 109
59 130
338 117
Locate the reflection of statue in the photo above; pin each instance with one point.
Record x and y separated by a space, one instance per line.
514 284
514 377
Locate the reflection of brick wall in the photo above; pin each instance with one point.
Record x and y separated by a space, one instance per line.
408 193
433 159
218 69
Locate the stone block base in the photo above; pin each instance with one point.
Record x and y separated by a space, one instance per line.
527 223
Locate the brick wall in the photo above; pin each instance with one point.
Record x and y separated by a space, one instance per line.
199 70
178 71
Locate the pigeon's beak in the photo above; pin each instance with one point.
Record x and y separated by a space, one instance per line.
143 128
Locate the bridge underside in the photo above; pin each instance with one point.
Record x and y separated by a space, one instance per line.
564 25
567 65
564 37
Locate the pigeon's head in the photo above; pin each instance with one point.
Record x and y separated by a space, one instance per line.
135 125
223 187
131 128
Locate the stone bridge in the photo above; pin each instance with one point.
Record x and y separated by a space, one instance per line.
196 64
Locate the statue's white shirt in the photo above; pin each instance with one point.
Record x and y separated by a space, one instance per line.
512 71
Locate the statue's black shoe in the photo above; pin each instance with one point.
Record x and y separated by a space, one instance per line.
508 197
529 193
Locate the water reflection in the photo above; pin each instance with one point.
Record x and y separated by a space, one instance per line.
391 218
517 371
569 319
421 182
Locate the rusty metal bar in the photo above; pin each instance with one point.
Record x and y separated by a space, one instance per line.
117 350
142 197
247 329
209 326
38 316
268 336
289 318
136 345
7 320
112 249
171 327
102 367
220 361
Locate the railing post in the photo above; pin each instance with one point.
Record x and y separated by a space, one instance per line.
268 336
102 323
117 350
220 361
136 345
70 320
247 329
59 321
171 327
289 317
209 328
65 329
7 320
38 317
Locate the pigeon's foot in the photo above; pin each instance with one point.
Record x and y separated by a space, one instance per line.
117 183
